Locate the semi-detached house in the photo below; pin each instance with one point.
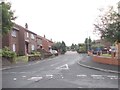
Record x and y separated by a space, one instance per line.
23 41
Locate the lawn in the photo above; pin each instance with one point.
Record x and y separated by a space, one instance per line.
21 58
106 55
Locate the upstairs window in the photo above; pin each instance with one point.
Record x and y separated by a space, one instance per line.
27 34
32 36
13 33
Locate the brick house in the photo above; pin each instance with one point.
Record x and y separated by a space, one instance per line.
11 40
103 42
44 43
20 40
39 42
30 41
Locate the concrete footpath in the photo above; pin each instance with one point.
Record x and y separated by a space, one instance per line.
89 63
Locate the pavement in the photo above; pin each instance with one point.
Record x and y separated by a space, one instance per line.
87 62
8 65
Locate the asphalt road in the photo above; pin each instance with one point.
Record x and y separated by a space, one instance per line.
59 72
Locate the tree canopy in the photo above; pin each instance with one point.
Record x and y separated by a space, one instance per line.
108 25
7 17
60 46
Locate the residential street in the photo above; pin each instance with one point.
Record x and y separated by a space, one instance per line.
62 71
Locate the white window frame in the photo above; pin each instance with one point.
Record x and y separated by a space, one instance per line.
13 33
27 34
14 47
32 36
32 47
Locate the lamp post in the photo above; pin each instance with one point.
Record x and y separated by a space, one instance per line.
119 7
118 44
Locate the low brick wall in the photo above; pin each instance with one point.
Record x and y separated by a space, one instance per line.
33 58
106 60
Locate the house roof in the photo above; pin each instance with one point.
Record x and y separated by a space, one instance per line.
38 36
19 26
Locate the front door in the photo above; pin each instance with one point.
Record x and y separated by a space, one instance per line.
26 47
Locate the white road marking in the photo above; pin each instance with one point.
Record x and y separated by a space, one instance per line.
14 79
112 77
65 66
82 75
35 78
23 76
97 76
49 75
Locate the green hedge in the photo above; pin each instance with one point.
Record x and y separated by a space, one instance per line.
6 52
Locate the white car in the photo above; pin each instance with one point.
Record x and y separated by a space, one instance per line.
54 52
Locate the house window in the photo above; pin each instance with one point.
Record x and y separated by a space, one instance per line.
32 36
33 47
13 33
39 41
14 47
27 34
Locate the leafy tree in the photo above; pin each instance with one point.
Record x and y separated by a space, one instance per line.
61 47
81 48
56 46
7 17
88 43
108 25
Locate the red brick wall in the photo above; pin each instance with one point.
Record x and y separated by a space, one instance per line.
45 44
14 40
31 41
5 40
106 60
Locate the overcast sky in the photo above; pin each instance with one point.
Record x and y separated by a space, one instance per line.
68 20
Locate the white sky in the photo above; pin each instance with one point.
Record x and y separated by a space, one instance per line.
68 20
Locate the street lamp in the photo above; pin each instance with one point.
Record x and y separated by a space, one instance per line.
118 45
119 7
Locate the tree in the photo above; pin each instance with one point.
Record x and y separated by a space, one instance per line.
61 47
108 26
56 46
86 44
7 17
72 47
89 43
81 48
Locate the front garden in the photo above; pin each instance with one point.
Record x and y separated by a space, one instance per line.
10 57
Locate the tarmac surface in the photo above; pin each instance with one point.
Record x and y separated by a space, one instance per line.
62 71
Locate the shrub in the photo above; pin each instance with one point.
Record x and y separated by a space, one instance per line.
36 53
7 53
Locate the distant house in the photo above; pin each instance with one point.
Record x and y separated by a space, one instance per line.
39 42
44 43
103 42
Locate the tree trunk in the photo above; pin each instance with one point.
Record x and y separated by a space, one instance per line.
118 51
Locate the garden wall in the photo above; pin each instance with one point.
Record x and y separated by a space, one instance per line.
106 60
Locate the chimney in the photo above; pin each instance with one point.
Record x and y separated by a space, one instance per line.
51 39
26 25
44 36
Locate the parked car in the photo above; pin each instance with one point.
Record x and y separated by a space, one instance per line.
54 52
